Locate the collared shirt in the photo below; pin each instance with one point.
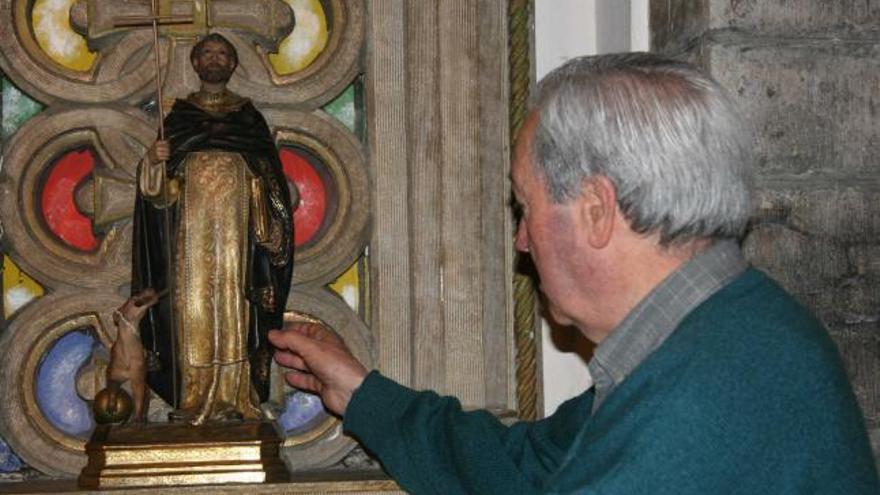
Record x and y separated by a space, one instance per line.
659 313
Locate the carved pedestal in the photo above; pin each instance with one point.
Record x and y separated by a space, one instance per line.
179 454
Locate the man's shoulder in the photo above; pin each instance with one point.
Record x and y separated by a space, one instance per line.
754 304
754 331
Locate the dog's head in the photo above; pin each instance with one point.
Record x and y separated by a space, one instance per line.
137 305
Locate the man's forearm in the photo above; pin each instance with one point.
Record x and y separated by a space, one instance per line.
431 446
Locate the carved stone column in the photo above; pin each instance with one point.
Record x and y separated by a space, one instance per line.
437 107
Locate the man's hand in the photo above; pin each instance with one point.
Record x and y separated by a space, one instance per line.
321 362
159 152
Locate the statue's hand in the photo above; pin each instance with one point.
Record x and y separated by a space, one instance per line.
159 152
320 361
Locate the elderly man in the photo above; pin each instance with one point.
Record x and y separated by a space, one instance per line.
631 172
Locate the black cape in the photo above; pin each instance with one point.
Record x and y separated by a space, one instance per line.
189 129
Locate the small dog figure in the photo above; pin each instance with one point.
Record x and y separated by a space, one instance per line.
127 359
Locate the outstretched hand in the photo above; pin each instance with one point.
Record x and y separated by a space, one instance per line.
320 361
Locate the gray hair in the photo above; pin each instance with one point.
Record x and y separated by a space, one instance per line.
666 135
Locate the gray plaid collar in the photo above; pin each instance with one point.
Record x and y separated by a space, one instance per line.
660 312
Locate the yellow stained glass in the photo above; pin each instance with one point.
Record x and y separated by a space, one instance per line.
347 286
18 288
306 42
51 21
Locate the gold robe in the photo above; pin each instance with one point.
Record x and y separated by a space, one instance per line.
211 311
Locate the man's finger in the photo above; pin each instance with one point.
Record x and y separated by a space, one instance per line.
284 357
298 341
278 338
291 360
311 330
303 381
307 348
282 339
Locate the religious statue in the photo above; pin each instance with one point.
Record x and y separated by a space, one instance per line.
213 236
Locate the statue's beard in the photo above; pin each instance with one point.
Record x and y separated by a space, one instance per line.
215 73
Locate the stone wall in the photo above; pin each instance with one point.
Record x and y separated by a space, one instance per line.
807 74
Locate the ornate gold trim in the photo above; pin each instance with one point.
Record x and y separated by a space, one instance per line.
224 102
178 454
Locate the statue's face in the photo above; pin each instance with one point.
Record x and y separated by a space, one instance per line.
214 63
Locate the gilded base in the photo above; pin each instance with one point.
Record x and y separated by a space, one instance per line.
180 454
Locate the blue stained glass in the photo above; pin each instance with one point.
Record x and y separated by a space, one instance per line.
300 409
56 384
9 462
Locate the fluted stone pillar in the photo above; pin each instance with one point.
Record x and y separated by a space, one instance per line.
437 127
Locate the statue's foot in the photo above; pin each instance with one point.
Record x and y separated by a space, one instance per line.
252 414
181 416
228 415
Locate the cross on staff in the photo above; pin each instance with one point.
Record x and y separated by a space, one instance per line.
155 20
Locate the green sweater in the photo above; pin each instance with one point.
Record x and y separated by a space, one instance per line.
748 395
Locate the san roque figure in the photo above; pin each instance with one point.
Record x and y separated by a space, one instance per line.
213 236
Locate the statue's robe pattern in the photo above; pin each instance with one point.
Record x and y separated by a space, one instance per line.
212 255
229 289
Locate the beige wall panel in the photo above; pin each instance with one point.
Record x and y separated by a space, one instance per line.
437 120
387 154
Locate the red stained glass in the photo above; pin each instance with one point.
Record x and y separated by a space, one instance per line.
309 217
57 200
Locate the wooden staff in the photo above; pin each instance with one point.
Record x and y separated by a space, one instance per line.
155 20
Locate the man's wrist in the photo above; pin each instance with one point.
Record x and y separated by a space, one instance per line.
358 386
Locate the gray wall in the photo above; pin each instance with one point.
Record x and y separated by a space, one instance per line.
807 73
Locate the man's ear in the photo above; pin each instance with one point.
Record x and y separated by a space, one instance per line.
598 210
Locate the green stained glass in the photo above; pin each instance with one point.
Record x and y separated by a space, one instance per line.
16 108
348 108
342 107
